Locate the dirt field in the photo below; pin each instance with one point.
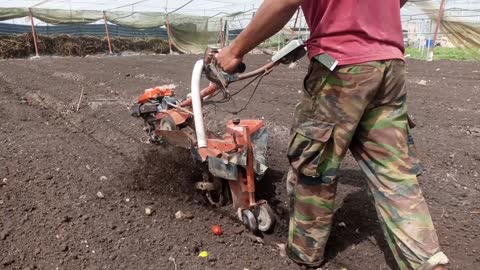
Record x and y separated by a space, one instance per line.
54 161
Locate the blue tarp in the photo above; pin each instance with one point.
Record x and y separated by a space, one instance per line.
91 30
83 30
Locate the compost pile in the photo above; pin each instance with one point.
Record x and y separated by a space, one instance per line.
21 46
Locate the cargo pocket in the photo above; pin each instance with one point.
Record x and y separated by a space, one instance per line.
315 79
308 146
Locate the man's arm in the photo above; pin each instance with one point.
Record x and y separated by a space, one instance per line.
403 2
270 18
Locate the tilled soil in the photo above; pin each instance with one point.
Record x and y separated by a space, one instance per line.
74 185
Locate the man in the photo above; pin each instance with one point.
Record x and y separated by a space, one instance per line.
361 106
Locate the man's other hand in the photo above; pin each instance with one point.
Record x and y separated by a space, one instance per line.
227 60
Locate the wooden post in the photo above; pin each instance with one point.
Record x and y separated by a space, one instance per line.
437 27
227 33
294 25
34 33
439 21
167 23
299 28
108 33
222 39
278 41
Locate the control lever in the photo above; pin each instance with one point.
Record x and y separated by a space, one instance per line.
216 74
241 68
292 52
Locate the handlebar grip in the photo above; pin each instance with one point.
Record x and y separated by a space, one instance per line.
241 68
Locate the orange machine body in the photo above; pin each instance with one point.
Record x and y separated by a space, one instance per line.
237 139
155 92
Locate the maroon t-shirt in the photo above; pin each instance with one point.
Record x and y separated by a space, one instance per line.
354 31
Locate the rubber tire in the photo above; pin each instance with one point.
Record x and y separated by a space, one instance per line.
265 218
167 123
249 220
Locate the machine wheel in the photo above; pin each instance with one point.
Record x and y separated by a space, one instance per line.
215 197
249 220
167 123
265 218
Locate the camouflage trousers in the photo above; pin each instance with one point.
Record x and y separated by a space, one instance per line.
362 108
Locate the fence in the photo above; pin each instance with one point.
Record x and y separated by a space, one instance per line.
84 30
187 33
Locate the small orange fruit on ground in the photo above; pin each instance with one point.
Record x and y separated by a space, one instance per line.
216 230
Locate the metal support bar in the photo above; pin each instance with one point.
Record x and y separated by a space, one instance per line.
295 24
34 33
439 19
222 39
437 27
227 33
250 174
108 33
169 33
180 108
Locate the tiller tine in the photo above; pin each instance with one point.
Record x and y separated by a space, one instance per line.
175 137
